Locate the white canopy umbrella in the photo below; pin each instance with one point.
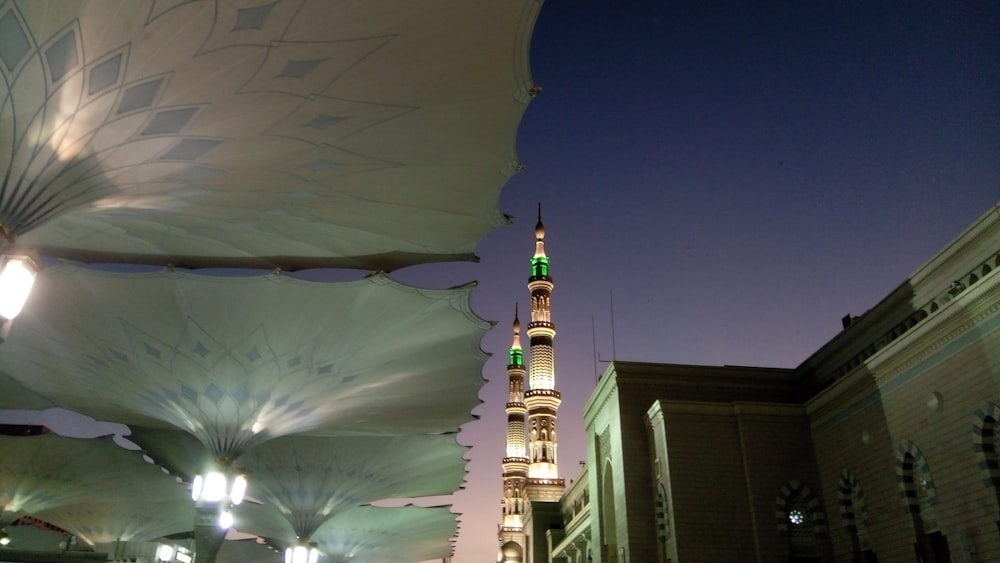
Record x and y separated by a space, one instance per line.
48 471
292 134
238 360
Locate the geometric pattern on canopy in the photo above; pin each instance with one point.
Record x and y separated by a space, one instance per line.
365 533
235 361
104 522
403 534
311 479
305 480
285 133
48 471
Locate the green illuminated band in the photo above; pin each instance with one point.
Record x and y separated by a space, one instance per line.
516 357
540 266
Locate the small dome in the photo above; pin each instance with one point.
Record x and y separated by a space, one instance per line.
512 551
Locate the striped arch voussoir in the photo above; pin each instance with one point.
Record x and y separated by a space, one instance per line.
850 499
907 486
795 489
983 443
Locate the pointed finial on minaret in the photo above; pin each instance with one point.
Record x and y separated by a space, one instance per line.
539 227
517 331
540 241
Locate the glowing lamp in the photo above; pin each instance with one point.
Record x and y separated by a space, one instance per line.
225 519
165 552
4 538
302 554
239 489
196 487
215 487
209 488
17 275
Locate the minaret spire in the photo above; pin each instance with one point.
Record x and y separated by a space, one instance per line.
515 461
542 399
531 474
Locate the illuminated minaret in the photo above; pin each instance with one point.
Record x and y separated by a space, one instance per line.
542 400
515 462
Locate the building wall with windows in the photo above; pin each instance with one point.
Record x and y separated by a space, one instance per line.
879 447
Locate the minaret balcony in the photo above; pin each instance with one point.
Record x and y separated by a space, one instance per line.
542 393
545 328
514 466
543 406
516 408
537 398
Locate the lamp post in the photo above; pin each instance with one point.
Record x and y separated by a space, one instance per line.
214 494
303 552
216 489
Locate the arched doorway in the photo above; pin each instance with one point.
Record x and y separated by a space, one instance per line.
609 523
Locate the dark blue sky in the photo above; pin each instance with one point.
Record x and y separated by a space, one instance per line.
740 175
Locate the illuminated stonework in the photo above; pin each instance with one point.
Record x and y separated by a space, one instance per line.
531 470
515 464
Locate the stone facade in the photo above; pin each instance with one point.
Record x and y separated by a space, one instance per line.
878 447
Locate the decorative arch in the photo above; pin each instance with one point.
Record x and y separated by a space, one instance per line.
919 496
609 521
984 435
800 518
984 427
916 487
853 513
794 494
851 500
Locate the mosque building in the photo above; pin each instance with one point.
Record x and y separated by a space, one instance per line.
880 446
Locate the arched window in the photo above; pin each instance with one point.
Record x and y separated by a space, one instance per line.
799 518
609 522
984 429
854 516
919 498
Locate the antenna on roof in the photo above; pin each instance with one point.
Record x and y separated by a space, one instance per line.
593 337
614 349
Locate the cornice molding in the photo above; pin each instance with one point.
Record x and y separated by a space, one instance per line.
967 311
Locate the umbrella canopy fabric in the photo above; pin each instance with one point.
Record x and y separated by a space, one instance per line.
285 134
309 479
363 533
48 471
398 534
235 361
100 523
290 133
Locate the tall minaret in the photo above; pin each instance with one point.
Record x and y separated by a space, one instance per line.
515 462
542 399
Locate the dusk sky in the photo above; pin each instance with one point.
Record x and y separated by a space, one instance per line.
738 177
